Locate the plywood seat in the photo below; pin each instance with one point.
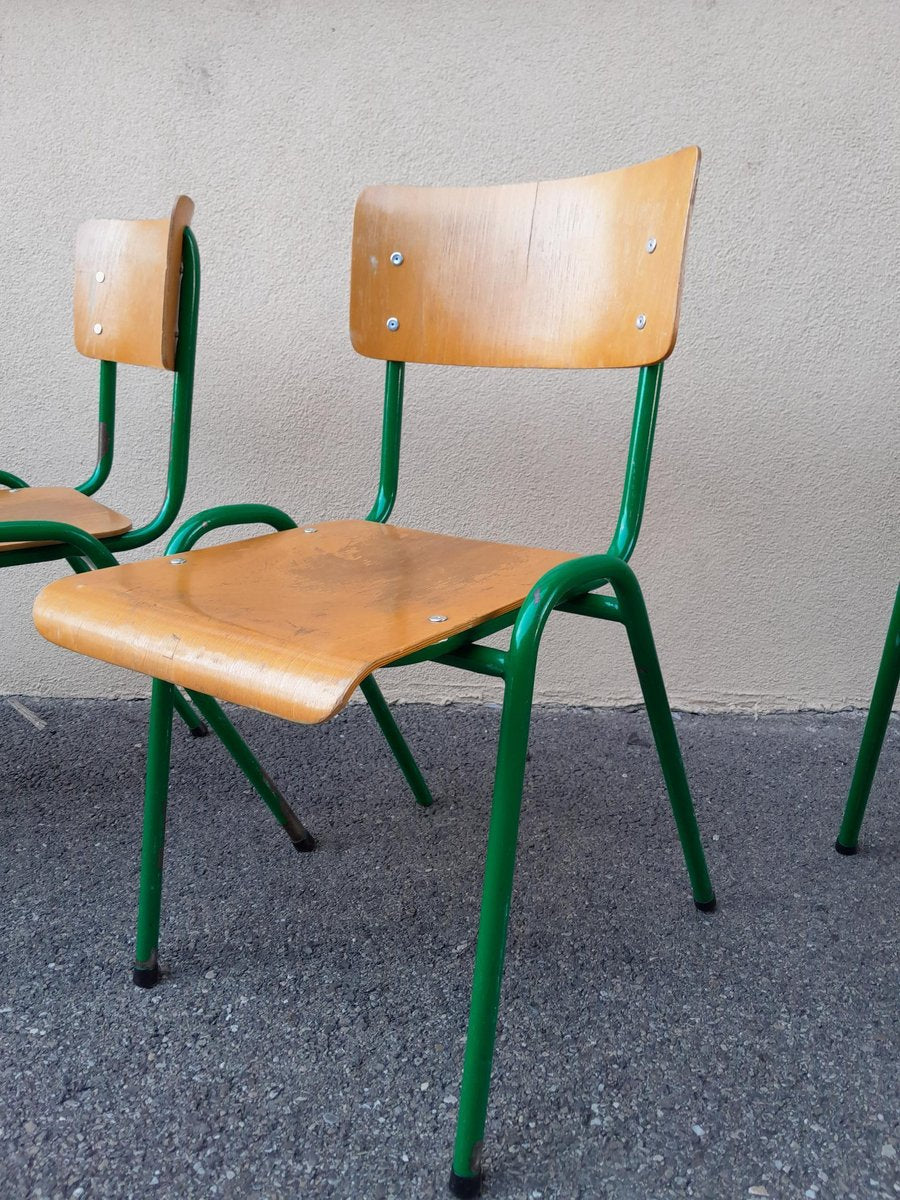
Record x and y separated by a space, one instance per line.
289 623
59 504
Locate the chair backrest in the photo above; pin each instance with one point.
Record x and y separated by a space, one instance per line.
127 280
570 273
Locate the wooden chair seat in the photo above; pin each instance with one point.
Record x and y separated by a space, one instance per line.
289 623
59 504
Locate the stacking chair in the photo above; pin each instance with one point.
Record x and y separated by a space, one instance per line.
873 736
137 292
574 273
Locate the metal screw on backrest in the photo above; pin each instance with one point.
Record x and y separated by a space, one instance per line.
396 258
310 529
437 619
99 276
641 321
98 329
177 562
392 324
651 245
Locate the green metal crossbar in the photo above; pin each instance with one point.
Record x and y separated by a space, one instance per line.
873 736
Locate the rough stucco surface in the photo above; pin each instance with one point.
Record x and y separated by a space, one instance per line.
770 550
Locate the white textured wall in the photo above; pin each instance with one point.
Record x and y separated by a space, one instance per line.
770 550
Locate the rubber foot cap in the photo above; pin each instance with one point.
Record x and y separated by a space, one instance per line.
199 731
146 977
706 905
846 849
305 844
465 1185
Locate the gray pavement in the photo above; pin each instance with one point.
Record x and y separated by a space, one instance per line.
307 1039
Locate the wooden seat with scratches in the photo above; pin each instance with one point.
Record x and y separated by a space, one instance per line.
290 623
570 273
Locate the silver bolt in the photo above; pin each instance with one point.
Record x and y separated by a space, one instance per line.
396 258
311 529
177 562
99 276
393 323
641 321
98 329
651 245
437 619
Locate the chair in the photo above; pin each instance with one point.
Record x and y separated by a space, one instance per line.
135 283
137 292
873 736
574 273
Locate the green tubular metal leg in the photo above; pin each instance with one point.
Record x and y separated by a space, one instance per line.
873 736
156 792
301 838
556 589
402 753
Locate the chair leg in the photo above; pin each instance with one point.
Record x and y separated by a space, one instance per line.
301 839
499 869
159 745
186 712
873 736
643 650
396 741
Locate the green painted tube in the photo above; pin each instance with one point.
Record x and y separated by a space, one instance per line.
66 537
156 791
873 735
204 522
395 739
637 465
7 479
392 421
556 588
106 433
246 760
182 402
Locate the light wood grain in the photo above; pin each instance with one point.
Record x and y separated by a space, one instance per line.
59 504
551 274
135 303
289 623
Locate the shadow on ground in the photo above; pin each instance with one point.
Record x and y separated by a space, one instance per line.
307 1040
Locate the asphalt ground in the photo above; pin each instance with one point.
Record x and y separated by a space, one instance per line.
307 1038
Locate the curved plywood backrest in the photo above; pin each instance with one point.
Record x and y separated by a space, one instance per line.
570 273
127 277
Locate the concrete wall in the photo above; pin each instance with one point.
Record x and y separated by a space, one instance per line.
770 550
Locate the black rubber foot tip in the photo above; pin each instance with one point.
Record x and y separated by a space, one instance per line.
147 976
199 731
305 844
465 1185
846 849
706 905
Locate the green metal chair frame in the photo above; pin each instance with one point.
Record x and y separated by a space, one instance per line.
570 587
873 736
